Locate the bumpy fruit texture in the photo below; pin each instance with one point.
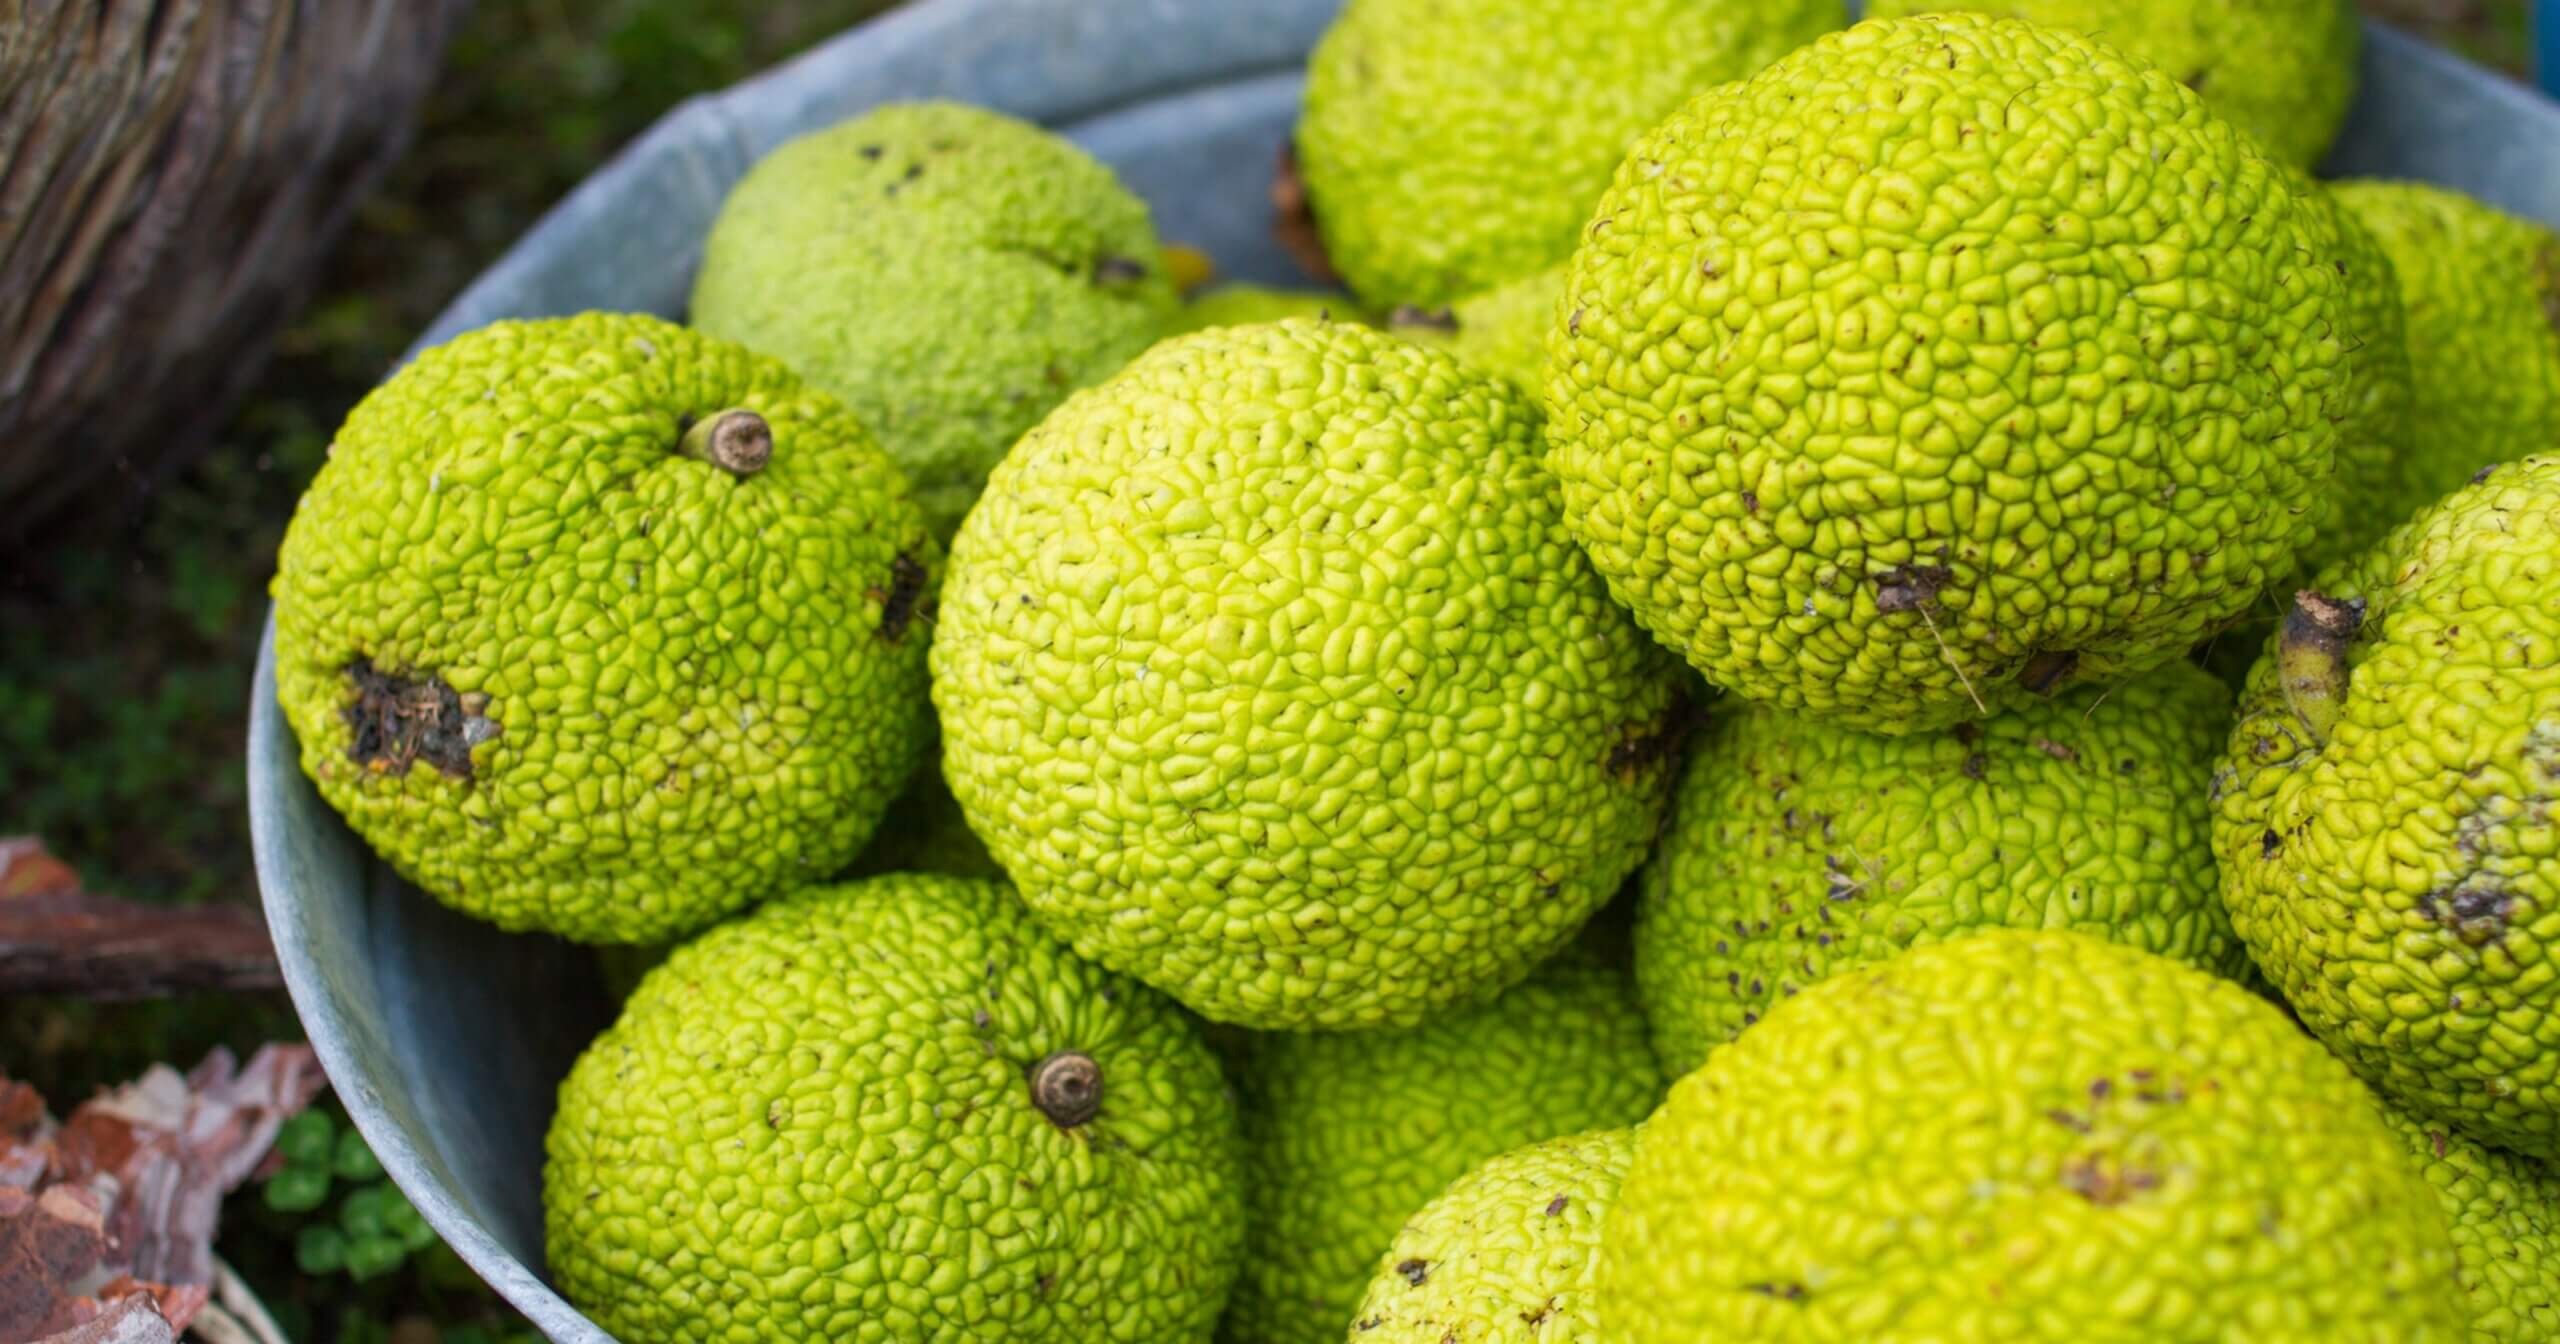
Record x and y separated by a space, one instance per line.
1270 674
950 272
565 677
1506 1254
1501 331
893 1110
1449 146
1878 406
2035 1137
2505 1216
2482 293
1347 1134
1796 852
2282 70
1242 305
2388 846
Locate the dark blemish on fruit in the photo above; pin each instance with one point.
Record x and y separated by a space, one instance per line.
1910 587
899 605
395 722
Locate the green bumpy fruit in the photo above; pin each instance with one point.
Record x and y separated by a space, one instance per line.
1501 331
563 671
893 1110
1244 305
1449 146
2032 1137
1874 406
2384 816
2282 70
2505 1214
1505 1255
1796 852
1348 1133
950 272
2481 289
1270 674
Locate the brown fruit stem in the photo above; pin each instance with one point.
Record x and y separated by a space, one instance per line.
736 441
1067 1087
2311 658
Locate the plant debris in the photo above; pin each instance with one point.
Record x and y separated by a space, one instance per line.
107 1219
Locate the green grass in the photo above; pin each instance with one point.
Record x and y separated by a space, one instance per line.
126 644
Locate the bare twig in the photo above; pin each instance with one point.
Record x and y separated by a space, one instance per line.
58 939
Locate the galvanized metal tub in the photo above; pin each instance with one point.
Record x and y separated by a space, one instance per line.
446 1037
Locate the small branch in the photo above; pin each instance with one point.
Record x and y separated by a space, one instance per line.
57 939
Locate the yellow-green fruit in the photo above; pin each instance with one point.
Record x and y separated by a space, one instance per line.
2282 70
2032 1137
2482 293
2388 847
1348 1133
893 1110
1796 851
1269 673
1876 406
1502 330
952 273
1240 305
1449 146
1505 1255
2505 1213
566 671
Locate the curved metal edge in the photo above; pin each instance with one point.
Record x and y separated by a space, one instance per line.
2413 94
706 142
274 763
937 48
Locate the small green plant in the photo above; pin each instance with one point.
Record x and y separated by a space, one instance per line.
376 1229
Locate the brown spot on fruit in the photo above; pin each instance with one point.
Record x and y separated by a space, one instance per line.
1557 1205
900 601
2475 914
394 722
1414 1271
1910 587
2106 1183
